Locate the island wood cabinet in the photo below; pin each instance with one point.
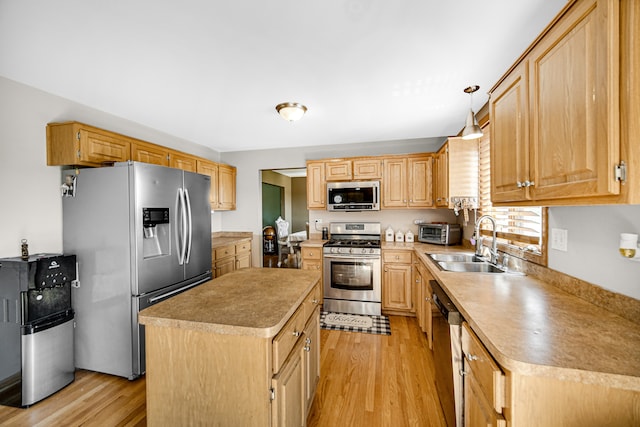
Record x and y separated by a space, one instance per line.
397 282
198 375
231 257
564 117
407 182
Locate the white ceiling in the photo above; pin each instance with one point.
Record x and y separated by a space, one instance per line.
212 72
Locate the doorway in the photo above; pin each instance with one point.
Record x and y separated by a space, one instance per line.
284 195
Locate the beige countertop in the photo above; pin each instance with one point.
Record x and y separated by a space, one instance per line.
223 238
534 328
251 301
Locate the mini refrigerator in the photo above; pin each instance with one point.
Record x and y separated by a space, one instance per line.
36 327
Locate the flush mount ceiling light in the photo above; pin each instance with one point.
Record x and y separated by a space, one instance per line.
471 129
291 111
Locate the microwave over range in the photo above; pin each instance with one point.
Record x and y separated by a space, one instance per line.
353 196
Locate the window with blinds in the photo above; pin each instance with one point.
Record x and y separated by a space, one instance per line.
519 229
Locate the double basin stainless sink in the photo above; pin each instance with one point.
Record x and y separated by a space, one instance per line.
465 263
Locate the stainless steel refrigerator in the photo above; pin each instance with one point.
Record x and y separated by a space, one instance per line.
141 234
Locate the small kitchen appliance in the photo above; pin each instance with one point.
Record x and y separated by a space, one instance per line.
352 268
36 331
353 196
440 234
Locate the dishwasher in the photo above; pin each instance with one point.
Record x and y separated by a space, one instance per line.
447 355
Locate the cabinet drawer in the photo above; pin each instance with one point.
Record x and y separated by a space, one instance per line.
287 338
243 247
311 253
225 251
311 302
403 257
484 369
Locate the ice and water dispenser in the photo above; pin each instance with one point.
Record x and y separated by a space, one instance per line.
36 327
156 232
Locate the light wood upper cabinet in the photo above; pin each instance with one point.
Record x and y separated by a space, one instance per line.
76 144
509 111
367 169
419 184
339 170
316 189
407 182
441 177
226 187
149 153
183 161
562 118
211 169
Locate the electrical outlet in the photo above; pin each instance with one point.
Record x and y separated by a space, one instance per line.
318 221
559 239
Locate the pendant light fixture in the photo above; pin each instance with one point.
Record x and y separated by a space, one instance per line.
471 129
291 111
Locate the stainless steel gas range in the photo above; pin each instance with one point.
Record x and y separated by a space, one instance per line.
352 268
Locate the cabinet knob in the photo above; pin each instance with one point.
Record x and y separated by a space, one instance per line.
519 184
471 357
296 333
315 301
307 348
427 299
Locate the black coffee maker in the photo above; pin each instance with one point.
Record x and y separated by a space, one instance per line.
36 327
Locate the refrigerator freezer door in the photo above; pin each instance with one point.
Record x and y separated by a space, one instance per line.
199 254
156 187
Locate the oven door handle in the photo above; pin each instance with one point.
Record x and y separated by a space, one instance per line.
356 257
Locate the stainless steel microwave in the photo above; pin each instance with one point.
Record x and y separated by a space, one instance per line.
353 196
440 234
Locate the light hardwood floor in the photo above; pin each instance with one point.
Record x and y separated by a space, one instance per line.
366 380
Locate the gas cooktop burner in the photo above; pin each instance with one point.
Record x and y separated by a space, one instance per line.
354 243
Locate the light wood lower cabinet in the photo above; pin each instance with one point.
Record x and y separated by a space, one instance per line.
231 257
234 380
312 260
422 299
397 282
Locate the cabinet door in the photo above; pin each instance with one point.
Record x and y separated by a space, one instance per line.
210 169
574 87
419 185
224 266
99 148
427 308
243 260
316 190
396 287
149 153
226 187
394 185
367 169
311 358
441 181
510 138
288 408
338 170
182 161
477 412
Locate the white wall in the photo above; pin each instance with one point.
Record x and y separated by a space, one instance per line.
592 250
31 206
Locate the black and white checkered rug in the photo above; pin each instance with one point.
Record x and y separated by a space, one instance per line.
355 323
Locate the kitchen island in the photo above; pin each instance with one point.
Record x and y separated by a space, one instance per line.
242 349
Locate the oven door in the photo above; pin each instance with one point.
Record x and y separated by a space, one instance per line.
355 278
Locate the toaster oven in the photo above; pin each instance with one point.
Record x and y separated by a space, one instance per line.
440 234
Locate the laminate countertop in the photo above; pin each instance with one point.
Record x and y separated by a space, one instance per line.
535 328
251 301
224 238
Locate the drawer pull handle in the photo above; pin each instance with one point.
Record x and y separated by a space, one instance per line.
471 357
297 333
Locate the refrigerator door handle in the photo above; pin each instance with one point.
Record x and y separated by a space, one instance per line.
183 228
189 218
